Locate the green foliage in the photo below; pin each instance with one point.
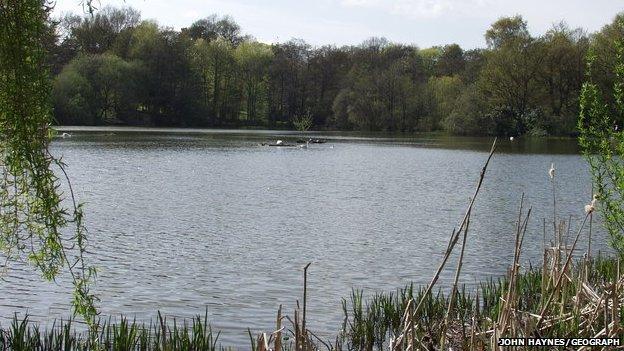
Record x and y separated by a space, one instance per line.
508 79
560 77
124 335
98 33
385 91
212 75
96 89
34 224
253 60
507 31
602 140
341 109
451 61
288 82
213 28
168 90
445 92
605 56
72 92
216 63
303 122
468 115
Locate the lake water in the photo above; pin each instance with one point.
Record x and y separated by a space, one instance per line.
181 221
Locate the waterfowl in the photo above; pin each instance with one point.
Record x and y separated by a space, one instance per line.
279 143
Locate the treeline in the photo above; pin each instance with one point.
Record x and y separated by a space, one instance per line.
113 68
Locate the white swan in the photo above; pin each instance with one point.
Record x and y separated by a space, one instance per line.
306 145
66 135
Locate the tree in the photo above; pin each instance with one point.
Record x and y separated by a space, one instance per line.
474 62
96 89
507 30
71 96
603 142
211 74
34 225
451 61
430 59
212 28
328 67
288 81
253 60
508 79
216 63
303 122
97 34
445 92
205 28
384 90
341 110
604 59
469 114
560 76
169 90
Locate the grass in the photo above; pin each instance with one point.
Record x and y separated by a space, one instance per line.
196 335
561 298
585 306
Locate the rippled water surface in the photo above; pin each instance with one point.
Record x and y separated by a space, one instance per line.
181 221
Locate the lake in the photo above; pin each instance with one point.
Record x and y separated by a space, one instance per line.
187 220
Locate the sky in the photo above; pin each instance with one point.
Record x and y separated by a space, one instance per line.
349 22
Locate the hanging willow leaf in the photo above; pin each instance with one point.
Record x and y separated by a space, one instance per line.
34 224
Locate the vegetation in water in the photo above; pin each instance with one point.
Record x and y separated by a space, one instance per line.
113 68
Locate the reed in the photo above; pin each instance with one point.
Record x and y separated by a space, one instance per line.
196 335
504 307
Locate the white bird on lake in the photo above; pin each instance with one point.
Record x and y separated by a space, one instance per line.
279 142
306 145
66 135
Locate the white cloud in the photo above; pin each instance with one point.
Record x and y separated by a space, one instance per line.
423 8
360 3
428 9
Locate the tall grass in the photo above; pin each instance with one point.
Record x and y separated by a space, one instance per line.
196 335
579 311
